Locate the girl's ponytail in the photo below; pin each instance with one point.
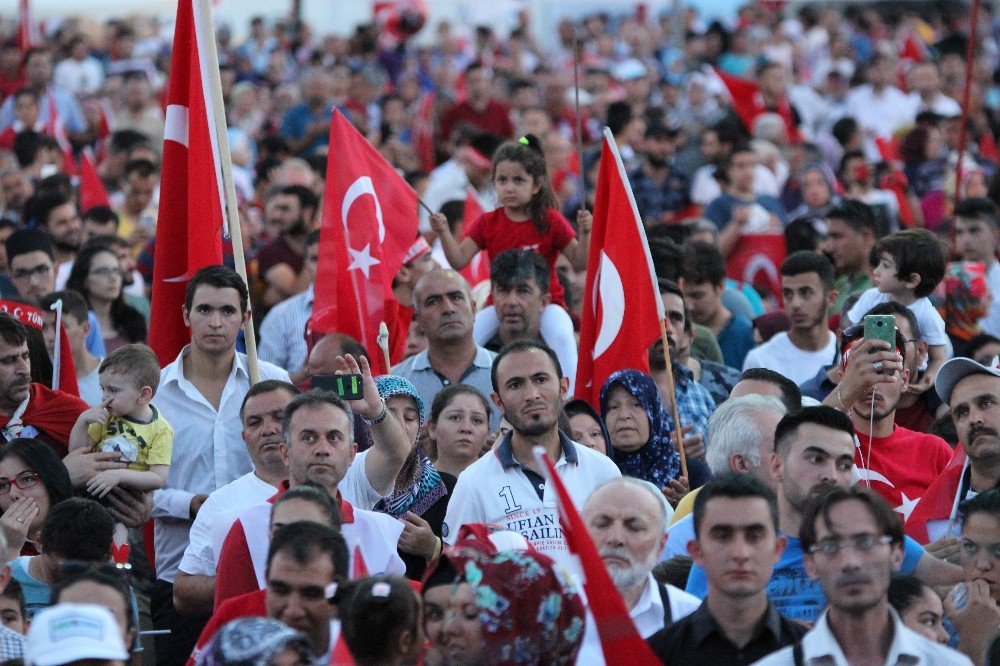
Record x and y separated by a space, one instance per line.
527 151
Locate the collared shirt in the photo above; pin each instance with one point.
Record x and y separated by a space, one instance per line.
282 333
694 403
429 383
495 489
698 639
209 451
820 648
11 644
654 198
719 379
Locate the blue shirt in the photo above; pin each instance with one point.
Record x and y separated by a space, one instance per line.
736 341
297 120
653 199
793 593
720 210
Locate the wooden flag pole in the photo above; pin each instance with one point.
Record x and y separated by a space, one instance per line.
970 56
579 121
673 401
383 343
226 164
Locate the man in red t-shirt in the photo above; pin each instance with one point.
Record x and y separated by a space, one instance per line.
478 109
897 463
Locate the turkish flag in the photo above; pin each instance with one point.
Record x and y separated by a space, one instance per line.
32 316
477 270
92 192
940 500
423 133
618 325
748 103
369 224
27 32
756 260
191 210
54 128
614 625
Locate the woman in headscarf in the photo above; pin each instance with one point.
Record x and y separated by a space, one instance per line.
819 193
640 429
586 426
257 641
420 496
511 607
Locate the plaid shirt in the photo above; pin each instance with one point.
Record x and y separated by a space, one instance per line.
653 199
694 402
11 644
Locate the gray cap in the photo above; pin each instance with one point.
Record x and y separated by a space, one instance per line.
956 370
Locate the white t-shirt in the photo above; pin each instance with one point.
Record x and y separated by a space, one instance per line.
930 322
780 355
90 387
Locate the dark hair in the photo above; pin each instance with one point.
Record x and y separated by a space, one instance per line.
24 241
12 331
977 208
40 206
304 540
514 267
805 261
703 262
128 322
847 157
115 582
127 140
15 593
309 492
267 386
886 519
618 116
905 590
78 529
898 310
987 502
25 91
313 237
306 197
449 393
58 184
671 287
140 167
383 606
916 251
857 215
733 485
102 215
312 399
791 395
522 346
220 277
820 415
137 362
527 152
40 457
977 342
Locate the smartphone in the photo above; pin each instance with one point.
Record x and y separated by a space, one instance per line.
348 387
881 327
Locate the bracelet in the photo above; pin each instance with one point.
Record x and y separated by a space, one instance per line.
840 400
381 417
438 547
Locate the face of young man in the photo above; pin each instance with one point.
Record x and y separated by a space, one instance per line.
703 300
296 596
529 391
816 459
846 248
215 319
806 301
975 240
981 550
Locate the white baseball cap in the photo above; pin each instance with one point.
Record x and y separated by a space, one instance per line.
958 369
65 633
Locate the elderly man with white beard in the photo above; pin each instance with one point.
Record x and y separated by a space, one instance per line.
627 519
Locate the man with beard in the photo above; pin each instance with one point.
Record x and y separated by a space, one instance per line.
56 215
850 237
261 415
627 519
660 189
807 291
508 487
134 204
290 211
853 542
814 452
895 462
737 542
972 391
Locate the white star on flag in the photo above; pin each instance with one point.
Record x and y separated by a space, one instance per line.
362 259
906 508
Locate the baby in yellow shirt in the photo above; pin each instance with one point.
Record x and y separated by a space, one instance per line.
127 423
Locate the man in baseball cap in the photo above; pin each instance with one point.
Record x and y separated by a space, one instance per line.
69 633
972 391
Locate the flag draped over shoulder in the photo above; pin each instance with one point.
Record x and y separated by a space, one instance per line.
369 224
621 306
191 206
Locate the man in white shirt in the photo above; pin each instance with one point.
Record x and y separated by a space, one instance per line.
261 414
507 486
627 519
879 106
200 394
852 542
976 236
807 290
925 81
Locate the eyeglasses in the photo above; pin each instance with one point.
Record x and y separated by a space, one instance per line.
106 271
863 543
23 481
971 549
27 273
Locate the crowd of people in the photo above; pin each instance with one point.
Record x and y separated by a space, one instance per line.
826 494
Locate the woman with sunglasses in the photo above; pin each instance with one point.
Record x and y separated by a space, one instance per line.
32 480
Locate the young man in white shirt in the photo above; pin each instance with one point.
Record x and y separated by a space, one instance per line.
807 290
976 240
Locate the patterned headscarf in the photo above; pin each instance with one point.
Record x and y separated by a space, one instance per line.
418 484
656 461
530 612
253 641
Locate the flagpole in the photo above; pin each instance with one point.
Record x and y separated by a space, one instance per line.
966 90
225 161
579 122
673 398
383 343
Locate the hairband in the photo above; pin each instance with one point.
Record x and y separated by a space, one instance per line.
381 590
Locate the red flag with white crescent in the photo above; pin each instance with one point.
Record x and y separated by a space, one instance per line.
190 218
756 260
369 224
618 325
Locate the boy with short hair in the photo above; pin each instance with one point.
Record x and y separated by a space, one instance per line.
76 323
977 238
126 422
911 263
12 609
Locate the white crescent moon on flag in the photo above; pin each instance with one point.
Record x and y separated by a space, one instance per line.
362 185
609 285
869 475
175 124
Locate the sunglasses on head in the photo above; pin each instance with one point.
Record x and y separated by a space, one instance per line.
71 568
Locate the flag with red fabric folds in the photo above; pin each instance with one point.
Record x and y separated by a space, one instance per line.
27 32
618 324
92 191
748 103
369 224
190 218
614 624
478 269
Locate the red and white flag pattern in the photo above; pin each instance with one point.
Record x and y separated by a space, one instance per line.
621 307
190 218
477 270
